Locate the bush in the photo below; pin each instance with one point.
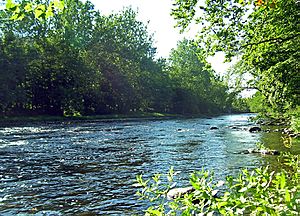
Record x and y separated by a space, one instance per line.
261 191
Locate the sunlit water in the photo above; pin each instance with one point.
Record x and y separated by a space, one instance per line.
89 167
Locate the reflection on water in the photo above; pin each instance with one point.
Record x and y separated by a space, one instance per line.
89 167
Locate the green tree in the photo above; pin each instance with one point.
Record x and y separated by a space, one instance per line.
56 75
197 89
124 53
12 76
264 34
65 58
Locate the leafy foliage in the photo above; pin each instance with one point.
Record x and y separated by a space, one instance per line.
65 58
295 119
253 192
197 88
264 34
39 10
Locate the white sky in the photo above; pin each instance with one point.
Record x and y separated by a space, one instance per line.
157 12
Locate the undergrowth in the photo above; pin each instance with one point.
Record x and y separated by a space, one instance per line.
261 191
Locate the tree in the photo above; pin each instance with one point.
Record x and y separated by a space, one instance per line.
55 73
78 61
123 51
40 9
65 58
197 89
264 33
12 76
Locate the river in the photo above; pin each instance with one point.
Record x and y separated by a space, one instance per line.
89 167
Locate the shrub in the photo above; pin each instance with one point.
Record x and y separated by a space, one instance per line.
261 191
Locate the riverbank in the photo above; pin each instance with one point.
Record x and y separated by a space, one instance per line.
7 119
137 115
289 123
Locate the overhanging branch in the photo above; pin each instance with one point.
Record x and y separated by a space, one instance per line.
272 40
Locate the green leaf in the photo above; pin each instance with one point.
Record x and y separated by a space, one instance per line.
49 12
59 4
39 11
9 4
20 16
28 7
152 211
170 174
287 196
259 209
156 177
282 181
14 17
222 204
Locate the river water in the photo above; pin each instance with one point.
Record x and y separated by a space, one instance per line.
89 167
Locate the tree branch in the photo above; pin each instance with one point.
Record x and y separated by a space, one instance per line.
272 40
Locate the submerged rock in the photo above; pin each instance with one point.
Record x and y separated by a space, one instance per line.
294 135
254 129
289 132
179 192
260 151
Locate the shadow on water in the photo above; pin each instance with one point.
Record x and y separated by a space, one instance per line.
90 167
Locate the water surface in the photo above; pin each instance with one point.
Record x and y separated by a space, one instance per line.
89 167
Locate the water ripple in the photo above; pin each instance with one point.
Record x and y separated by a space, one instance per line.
89 167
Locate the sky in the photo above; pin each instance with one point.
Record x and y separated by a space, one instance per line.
161 24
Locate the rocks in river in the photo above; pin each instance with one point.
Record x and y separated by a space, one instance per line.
260 122
287 131
238 127
260 151
214 128
254 129
179 192
294 135
290 133
272 122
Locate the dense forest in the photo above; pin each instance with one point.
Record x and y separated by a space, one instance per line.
69 59
66 58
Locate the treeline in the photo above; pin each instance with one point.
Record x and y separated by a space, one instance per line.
80 62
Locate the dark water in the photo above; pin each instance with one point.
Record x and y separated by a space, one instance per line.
88 168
